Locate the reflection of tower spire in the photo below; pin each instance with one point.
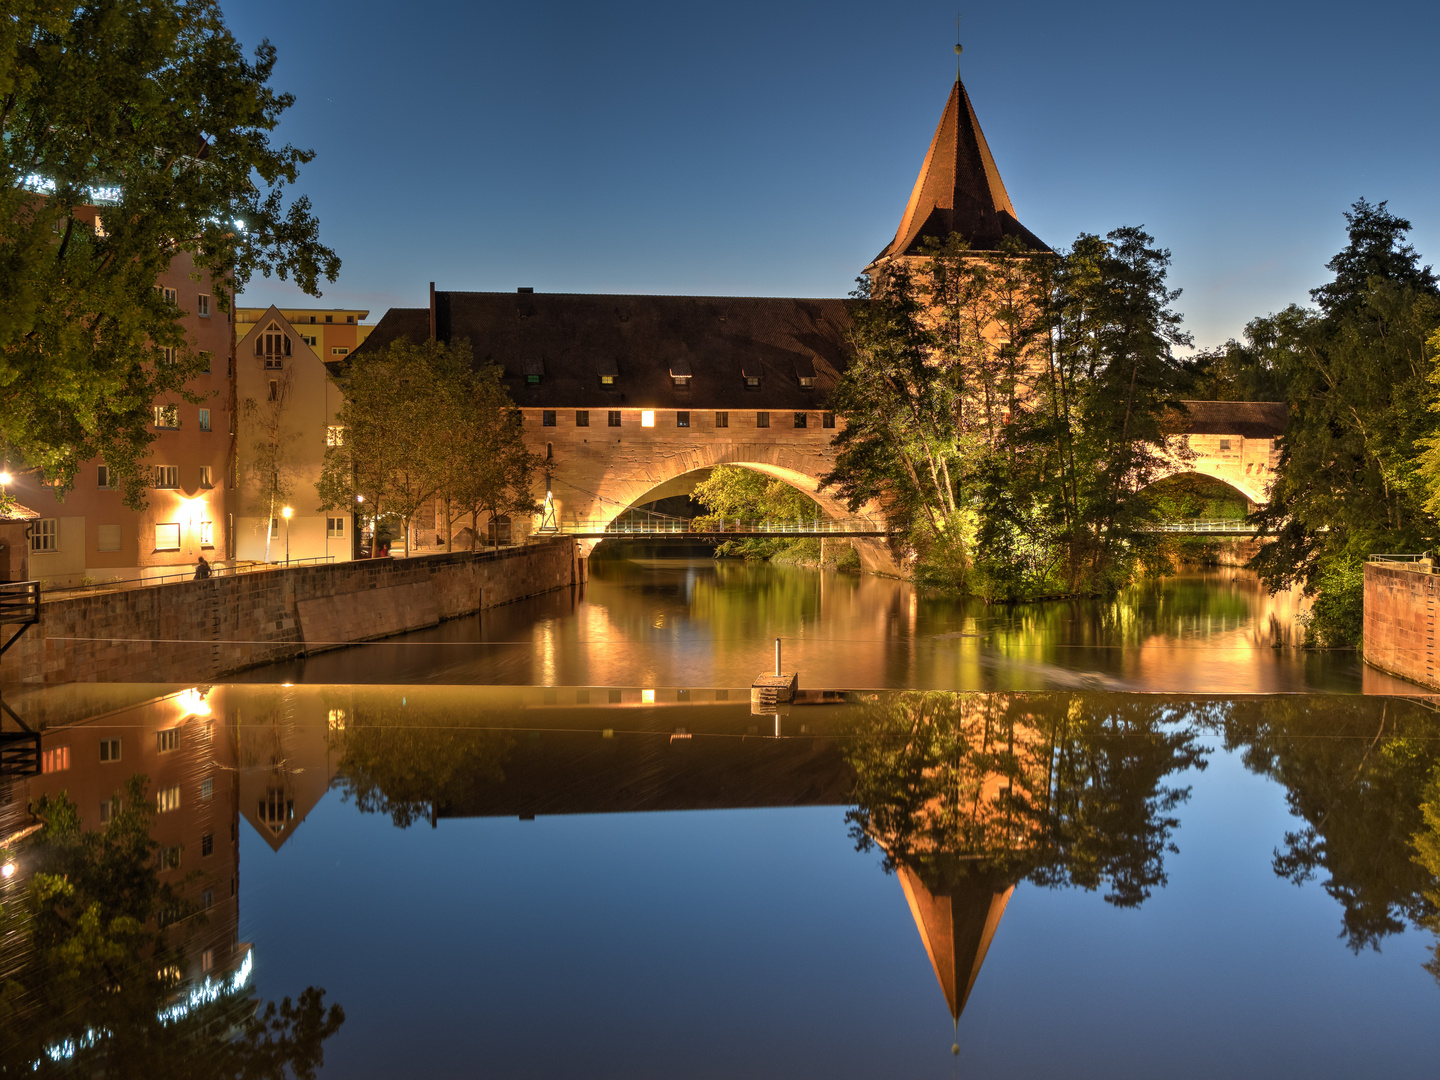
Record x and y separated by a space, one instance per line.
956 929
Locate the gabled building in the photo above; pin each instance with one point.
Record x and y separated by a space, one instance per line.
286 406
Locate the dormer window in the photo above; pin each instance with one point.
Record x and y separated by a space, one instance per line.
751 373
805 372
534 371
680 374
609 372
273 345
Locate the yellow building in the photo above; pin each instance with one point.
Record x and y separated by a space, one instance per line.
330 332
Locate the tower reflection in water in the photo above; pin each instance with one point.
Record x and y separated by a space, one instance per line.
963 796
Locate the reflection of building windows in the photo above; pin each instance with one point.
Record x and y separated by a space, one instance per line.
109 749
337 719
207 788
167 740
207 958
275 809
56 759
335 528
167 536
167 799
207 901
107 538
207 844
335 435
45 535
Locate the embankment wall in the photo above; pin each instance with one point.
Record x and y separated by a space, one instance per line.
198 631
1400 602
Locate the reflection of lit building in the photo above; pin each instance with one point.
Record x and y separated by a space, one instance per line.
956 927
181 743
283 760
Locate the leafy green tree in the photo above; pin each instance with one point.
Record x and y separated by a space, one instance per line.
733 492
1356 373
133 137
92 955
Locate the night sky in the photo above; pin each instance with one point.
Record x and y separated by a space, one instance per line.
768 149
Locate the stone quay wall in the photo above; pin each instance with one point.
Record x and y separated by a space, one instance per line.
1400 603
199 631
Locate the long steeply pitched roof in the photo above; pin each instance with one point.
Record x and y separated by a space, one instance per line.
959 189
568 341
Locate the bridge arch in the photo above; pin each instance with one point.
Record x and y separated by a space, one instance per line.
1254 489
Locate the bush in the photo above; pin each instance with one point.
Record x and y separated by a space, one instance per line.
1336 620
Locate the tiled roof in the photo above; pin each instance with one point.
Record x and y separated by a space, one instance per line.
577 337
1247 419
959 189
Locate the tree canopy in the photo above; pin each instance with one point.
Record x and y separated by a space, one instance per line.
134 137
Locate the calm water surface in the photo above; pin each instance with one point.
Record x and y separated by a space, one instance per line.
619 871
671 622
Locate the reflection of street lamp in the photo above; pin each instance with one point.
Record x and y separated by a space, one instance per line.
286 515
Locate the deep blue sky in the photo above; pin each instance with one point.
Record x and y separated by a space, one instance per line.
769 148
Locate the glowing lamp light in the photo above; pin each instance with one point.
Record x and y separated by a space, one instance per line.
647 418
359 498
286 513
5 477
194 703
647 697
7 871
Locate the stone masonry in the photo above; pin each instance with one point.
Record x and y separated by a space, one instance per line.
1400 602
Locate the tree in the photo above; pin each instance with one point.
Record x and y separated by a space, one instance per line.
93 954
270 464
132 135
1357 377
732 491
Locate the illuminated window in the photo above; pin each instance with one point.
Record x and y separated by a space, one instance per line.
752 382
206 477
207 958
762 419
647 418
207 534
807 381
45 535
167 536
827 419
547 417
56 759
682 419
802 419
166 476
167 740
202 306
167 416
614 417
647 697
722 419
337 719
607 380
335 435
582 417
167 799
109 749
335 527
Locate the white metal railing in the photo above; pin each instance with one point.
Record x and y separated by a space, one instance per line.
1205 525
715 526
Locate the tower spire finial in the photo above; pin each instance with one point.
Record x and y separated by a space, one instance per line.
958 48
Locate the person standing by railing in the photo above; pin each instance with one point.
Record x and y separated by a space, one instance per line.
202 569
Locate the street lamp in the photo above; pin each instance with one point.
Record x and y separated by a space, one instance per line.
285 513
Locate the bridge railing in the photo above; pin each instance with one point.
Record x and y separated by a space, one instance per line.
713 526
1205 525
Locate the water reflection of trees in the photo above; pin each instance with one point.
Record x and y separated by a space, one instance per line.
91 966
1359 774
1057 788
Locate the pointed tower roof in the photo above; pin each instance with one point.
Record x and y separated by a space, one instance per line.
956 930
959 189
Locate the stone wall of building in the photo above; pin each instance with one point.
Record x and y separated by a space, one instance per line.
1400 601
198 631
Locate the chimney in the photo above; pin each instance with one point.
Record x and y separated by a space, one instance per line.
432 311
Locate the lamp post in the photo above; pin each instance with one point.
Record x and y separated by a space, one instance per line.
285 513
